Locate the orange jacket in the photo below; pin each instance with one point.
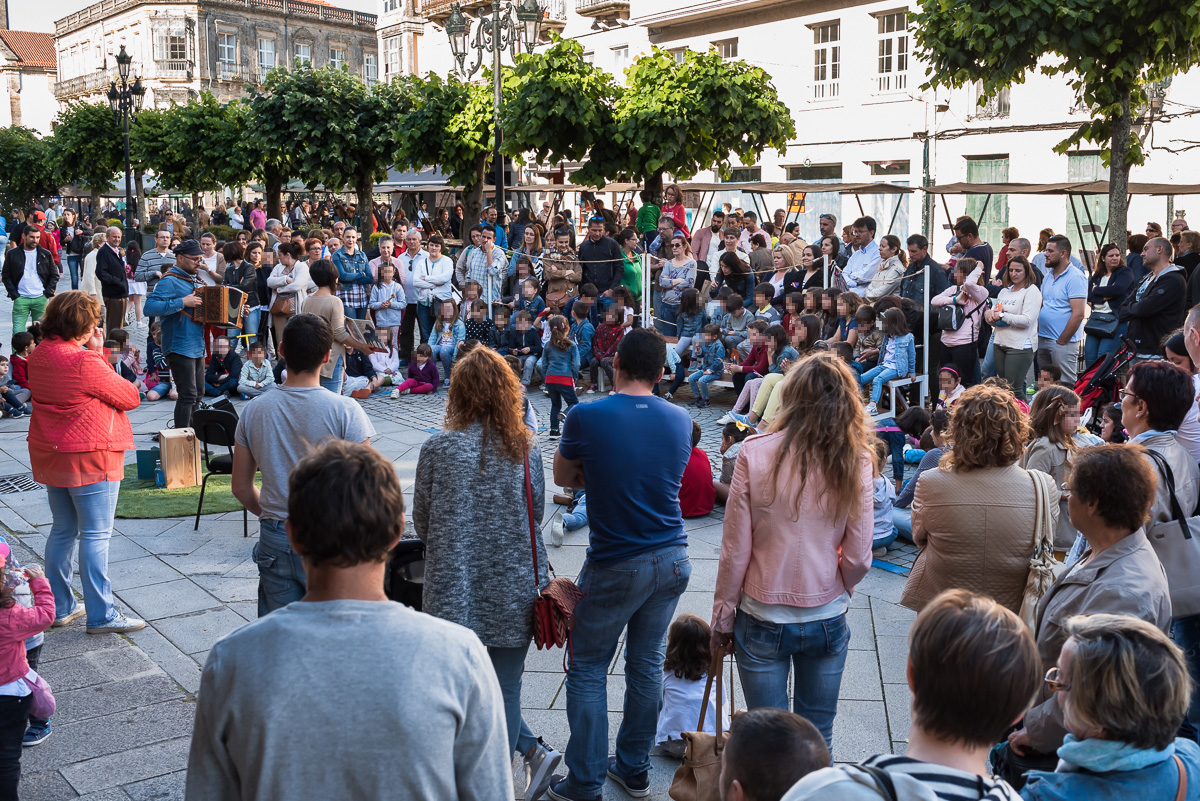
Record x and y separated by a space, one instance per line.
79 402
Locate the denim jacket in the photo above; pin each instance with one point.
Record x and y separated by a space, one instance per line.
559 362
712 356
906 354
789 353
690 324
180 334
582 333
1107 770
352 269
458 332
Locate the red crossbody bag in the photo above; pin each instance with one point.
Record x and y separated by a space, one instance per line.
554 609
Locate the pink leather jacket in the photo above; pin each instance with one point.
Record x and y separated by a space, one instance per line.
776 559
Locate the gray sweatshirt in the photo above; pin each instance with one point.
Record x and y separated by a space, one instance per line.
349 699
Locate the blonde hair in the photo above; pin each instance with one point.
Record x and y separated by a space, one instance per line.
1128 679
1046 412
824 429
789 258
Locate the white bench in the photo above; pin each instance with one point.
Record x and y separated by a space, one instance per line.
922 382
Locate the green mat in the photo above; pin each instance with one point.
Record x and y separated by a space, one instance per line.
141 499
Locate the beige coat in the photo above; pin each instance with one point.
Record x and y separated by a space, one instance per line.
1052 459
562 274
975 532
1123 579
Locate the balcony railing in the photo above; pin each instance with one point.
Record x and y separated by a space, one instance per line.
173 68
228 71
434 9
80 85
295 8
602 8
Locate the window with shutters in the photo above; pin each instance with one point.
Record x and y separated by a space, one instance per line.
892 69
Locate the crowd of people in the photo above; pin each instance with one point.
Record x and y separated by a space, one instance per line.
1065 551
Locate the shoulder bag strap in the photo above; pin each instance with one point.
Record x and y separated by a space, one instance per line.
1181 793
1169 479
882 780
532 534
714 667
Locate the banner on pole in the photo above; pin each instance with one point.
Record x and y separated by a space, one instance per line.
796 202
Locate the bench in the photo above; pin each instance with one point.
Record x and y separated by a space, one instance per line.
725 381
922 383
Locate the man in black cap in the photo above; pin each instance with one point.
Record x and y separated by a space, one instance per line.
182 337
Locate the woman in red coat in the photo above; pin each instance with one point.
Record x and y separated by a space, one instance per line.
78 436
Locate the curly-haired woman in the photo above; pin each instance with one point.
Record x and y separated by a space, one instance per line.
973 517
471 507
795 546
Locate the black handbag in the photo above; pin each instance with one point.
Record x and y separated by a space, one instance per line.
1102 325
951 316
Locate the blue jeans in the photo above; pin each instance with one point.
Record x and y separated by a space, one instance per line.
902 520
578 518
766 653
665 316
880 375
509 664
444 354
250 325
1095 347
425 318
334 384
1186 633
281 578
356 312
559 393
84 514
988 370
229 385
640 593
73 263
700 382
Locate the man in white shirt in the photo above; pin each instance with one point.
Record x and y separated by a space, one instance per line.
707 242
749 229
29 278
411 257
864 258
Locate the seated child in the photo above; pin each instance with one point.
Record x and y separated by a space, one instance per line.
950 386
685 673
709 367
224 370
131 355
604 348
422 374
696 493
158 370
768 751
844 351
912 423
763 308
732 436
884 495
571 520
117 362
387 365
866 346
499 336
257 376
361 378
735 325
16 400
1048 375
525 343
939 424
22 346
472 291
529 300
478 324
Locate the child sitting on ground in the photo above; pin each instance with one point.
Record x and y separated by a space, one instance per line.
500 328
130 354
575 518
16 400
696 493
118 365
22 346
732 436
387 364
422 374
1048 375
604 348
893 431
224 370
478 325
685 670
361 378
525 344
158 371
257 376
884 497
950 386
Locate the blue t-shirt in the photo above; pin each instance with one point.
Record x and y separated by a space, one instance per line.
634 450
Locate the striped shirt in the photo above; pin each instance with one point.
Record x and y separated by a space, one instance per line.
948 784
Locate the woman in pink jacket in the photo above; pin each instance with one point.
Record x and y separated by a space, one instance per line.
968 292
793 550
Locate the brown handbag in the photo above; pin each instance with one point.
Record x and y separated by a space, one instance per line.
554 609
698 778
285 304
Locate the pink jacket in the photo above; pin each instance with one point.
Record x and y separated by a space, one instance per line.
17 623
972 294
775 559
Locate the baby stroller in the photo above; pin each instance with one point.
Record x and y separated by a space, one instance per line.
1101 384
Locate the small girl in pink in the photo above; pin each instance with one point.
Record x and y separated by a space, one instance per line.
422 374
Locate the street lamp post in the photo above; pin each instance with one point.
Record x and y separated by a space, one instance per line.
125 100
503 30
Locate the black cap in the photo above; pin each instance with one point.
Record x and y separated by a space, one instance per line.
188 247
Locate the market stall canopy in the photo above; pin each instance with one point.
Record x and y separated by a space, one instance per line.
1070 188
783 187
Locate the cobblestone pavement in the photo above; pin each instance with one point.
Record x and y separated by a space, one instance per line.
126 703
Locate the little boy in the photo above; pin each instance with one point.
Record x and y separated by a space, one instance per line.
224 370
711 365
115 358
604 348
130 354
768 751
529 300
257 376
735 325
15 398
526 344
499 337
756 361
22 346
1048 375
763 310
582 331
866 348
696 493
361 376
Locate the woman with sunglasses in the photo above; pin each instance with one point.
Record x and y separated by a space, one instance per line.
1118 574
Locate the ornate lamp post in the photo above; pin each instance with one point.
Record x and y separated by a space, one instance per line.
125 100
504 29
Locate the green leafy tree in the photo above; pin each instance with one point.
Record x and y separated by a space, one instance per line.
147 138
450 123
189 147
1111 50
269 135
28 167
89 148
558 106
684 118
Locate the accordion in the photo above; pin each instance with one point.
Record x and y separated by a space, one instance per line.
219 305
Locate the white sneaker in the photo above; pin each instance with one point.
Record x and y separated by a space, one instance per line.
556 533
539 769
725 419
118 625
395 394
872 409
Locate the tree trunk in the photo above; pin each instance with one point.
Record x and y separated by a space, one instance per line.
366 208
473 196
654 183
273 183
139 189
96 203
1118 176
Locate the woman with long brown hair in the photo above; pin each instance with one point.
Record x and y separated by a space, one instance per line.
796 545
1053 421
476 481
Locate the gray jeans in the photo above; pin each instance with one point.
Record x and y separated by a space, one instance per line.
1065 357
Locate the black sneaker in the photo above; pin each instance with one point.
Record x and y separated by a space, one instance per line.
554 435
36 735
558 791
637 786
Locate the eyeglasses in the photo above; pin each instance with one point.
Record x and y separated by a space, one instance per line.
1054 681
676 244
1127 394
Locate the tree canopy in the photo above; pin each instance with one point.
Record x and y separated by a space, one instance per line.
88 147
195 147
28 167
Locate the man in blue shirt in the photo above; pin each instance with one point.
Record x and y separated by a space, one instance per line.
629 451
864 260
1064 290
491 217
182 337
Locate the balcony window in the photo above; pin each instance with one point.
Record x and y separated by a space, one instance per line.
827 60
995 107
391 57
893 52
304 53
370 68
266 56
337 58
227 51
